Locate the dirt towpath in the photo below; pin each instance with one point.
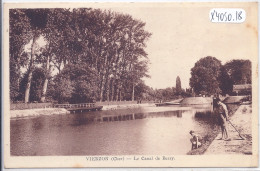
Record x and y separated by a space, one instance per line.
242 121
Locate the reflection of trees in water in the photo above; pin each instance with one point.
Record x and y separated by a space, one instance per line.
204 114
201 116
82 119
210 115
177 113
206 117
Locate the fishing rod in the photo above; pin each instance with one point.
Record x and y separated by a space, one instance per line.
236 130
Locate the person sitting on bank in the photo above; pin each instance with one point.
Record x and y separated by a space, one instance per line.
221 111
195 140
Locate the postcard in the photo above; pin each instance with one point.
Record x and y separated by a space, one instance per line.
121 84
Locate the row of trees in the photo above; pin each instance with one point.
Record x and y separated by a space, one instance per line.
167 94
210 77
86 55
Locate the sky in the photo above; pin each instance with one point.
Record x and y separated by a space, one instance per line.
182 34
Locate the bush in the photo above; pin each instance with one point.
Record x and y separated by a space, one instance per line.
76 84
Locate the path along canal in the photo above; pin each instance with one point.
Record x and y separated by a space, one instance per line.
140 131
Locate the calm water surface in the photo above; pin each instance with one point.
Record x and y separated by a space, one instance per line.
149 131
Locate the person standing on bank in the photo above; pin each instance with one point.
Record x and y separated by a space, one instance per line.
222 113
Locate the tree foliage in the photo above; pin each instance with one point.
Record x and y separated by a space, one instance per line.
63 90
235 72
205 76
76 84
108 43
20 35
209 77
178 85
226 83
239 71
36 85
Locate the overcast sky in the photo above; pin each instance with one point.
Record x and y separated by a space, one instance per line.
182 34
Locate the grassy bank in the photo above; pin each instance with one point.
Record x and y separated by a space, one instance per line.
37 112
207 139
125 106
196 100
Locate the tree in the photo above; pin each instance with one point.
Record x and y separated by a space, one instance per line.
38 78
168 93
20 35
226 83
111 44
205 76
63 90
141 91
235 72
36 84
178 85
81 84
246 72
56 27
239 71
38 20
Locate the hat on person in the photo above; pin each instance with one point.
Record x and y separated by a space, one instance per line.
191 132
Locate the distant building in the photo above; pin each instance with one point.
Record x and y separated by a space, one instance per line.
242 89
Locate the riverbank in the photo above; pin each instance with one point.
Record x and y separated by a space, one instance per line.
126 106
197 100
60 111
37 112
242 121
210 138
240 117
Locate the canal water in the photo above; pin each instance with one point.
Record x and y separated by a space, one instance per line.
141 131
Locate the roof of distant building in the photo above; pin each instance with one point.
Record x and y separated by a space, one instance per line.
242 87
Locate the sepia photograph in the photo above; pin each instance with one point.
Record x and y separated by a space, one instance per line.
131 84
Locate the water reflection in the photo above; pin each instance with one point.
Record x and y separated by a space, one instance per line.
150 131
83 118
204 114
177 113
